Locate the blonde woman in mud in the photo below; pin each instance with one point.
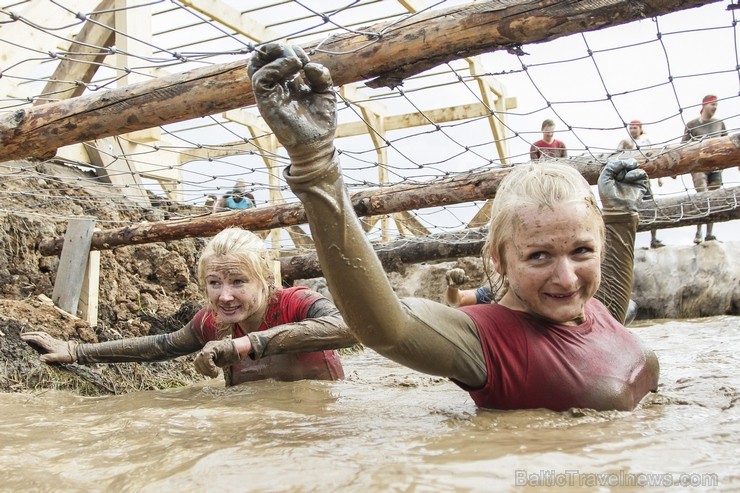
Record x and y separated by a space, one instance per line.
243 328
548 342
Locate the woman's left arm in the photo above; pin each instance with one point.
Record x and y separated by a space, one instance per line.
622 185
322 329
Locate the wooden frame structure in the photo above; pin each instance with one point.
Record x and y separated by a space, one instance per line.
116 38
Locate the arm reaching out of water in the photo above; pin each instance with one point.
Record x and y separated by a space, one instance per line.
297 100
147 348
509 355
622 184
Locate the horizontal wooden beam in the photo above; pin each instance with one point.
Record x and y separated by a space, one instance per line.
707 155
704 207
400 49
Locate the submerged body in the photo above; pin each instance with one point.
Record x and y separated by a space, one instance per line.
243 306
553 281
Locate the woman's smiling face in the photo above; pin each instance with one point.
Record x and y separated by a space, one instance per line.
553 261
235 295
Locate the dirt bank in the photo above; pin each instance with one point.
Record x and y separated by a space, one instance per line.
144 289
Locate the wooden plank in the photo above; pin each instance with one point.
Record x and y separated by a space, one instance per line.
34 41
230 17
88 305
84 56
133 21
73 264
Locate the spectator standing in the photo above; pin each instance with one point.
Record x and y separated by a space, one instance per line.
237 199
548 146
706 126
637 141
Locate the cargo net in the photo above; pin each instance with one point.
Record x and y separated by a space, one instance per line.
469 115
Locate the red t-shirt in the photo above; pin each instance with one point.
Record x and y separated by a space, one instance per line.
551 149
534 364
287 306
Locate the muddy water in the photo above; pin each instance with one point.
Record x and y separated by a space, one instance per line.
386 428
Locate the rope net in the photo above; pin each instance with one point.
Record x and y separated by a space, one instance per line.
469 115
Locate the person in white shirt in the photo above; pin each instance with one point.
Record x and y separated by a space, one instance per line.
639 141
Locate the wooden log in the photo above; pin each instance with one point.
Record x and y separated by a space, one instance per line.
690 157
394 256
714 206
89 294
398 50
707 155
89 48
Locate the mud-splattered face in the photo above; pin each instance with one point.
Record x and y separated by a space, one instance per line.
236 296
553 261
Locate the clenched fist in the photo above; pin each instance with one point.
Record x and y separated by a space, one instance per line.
215 355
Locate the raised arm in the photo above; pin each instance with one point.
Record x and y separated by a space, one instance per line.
296 99
622 184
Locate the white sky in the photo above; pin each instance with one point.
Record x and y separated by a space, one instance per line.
658 80
700 63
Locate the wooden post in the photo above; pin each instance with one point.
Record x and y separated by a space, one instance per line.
88 306
73 264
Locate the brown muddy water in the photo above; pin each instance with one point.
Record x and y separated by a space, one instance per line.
387 428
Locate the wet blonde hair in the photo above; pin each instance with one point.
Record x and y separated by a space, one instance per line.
541 185
245 249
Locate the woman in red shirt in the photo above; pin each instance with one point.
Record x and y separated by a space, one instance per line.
548 342
245 310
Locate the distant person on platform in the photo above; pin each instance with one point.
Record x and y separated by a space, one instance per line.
548 146
706 126
237 199
637 141
210 201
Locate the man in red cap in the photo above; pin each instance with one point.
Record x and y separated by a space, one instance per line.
706 126
640 142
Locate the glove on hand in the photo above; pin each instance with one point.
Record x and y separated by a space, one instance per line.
296 99
215 355
622 185
52 350
456 277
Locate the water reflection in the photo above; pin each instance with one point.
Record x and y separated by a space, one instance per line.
384 428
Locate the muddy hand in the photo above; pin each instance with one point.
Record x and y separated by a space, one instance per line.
622 185
296 99
52 350
215 355
456 277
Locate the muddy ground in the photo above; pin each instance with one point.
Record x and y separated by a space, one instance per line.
145 289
